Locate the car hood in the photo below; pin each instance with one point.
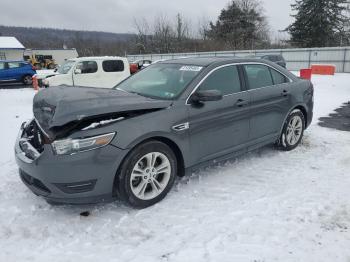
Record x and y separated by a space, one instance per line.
58 107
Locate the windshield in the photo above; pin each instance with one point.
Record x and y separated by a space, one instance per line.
161 81
65 67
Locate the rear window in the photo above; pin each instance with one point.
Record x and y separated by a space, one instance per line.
113 66
2 65
278 78
13 65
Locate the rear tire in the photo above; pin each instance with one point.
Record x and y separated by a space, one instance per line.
146 175
27 80
293 131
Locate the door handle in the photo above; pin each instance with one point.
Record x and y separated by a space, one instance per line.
241 103
285 93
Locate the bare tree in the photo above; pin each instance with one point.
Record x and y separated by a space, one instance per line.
143 34
163 34
182 30
203 27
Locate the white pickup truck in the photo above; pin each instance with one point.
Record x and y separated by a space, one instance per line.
104 72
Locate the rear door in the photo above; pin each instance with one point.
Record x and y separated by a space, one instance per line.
270 101
14 71
86 73
220 127
3 71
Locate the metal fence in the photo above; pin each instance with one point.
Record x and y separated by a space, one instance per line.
296 58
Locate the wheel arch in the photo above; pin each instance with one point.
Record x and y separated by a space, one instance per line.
303 110
300 107
24 76
166 140
169 142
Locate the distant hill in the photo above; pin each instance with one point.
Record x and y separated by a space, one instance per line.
86 42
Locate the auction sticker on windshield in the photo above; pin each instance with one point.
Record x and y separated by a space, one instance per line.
191 68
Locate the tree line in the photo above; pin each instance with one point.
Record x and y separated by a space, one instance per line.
241 25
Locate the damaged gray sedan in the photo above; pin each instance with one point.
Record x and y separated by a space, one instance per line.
88 145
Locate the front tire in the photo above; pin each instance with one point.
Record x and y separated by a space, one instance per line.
147 174
293 131
27 80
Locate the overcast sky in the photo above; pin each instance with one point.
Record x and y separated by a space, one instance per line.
118 15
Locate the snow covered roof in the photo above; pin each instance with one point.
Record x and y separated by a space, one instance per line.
9 42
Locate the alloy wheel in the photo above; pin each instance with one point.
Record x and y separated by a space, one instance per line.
150 175
294 130
27 80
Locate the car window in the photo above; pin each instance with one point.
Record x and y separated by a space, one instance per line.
13 65
64 69
161 81
113 66
87 67
258 76
2 65
277 77
225 79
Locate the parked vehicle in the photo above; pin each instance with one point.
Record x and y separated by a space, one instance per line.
278 59
43 74
87 145
16 71
143 63
139 65
104 72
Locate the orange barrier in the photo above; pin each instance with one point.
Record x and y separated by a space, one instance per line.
35 83
306 73
323 69
134 68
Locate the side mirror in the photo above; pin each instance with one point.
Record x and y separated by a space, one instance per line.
77 71
206 96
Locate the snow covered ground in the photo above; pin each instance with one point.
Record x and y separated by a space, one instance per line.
265 206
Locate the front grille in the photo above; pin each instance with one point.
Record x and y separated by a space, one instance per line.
31 181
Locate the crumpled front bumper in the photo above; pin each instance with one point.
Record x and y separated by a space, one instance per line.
82 178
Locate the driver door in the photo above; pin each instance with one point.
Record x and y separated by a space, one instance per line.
220 127
86 74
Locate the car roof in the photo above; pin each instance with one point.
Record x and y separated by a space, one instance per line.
15 61
88 58
207 61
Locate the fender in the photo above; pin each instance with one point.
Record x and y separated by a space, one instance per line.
290 111
180 140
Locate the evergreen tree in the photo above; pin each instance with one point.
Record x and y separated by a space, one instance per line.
318 23
240 26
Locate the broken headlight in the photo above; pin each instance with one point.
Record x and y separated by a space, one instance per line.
73 146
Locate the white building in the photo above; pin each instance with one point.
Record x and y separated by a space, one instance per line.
10 48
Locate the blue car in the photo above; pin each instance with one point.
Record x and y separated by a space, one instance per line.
16 71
